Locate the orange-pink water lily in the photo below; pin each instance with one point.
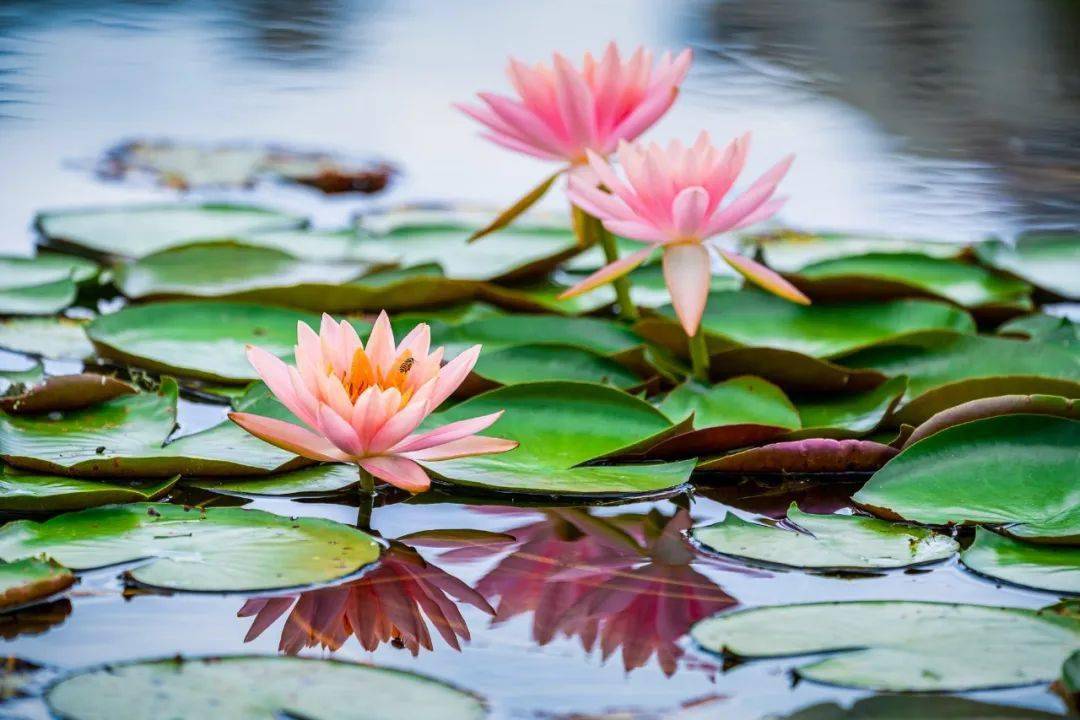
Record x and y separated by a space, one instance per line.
671 198
364 403
563 111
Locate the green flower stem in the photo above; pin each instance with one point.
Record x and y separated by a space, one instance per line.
367 499
699 356
592 231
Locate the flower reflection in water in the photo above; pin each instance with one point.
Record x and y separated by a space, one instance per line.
626 581
394 603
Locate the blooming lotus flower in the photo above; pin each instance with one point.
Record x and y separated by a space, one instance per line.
364 403
671 199
563 111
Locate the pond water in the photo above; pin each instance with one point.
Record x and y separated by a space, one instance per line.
941 120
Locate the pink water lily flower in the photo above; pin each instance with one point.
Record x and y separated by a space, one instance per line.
671 199
563 111
364 403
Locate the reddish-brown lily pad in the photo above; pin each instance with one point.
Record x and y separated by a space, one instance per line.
65 392
992 407
814 455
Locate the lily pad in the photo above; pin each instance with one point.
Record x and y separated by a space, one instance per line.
812 455
1017 471
790 252
1047 260
317 480
203 340
827 542
125 437
944 370
319 245
137 230
227 269
750 318
993 407
910 707
31 492
257 688
55 338
28 580
901 646
792 371
561 425
602 337
1045 567
64 392
1045 328
215 549
536 363
841 415
520 251
41 285
890 275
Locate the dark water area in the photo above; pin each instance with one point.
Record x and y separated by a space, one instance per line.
942 120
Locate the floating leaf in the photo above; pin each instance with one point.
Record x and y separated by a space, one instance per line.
908 707
523 250
215 549
29 580
1045 567
317 480
1046 260
41 285
848 414
204 340
750 318
790 251
993 407
139 230
13 382
319 245
561 425
1018 471
813 455
30 492
55 338
226 269
125 437
827 542
537 363
257 688
900 646
890 275
64 392
602 337
944 370
1045 328
1069 684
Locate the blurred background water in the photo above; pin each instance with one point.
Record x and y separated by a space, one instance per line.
941 119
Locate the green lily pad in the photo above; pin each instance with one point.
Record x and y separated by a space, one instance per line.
1046 260
257 688
944 370
561 425
204 340
1018 471
319 245
910 707
14 382
810 455
792 251
63 392
227 269
317 480
900 646
138 230
602 337
543 297
993 407
125 437
517 252
827 542
1045 567
56 338
1045 328
31 579
885 275
215 549
850 414
1069 684
750 318
536 363
30 492
41 285
745 399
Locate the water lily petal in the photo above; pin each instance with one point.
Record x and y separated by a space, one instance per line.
287 436
764 277
687 274
464 447
447 433
610 272
398 471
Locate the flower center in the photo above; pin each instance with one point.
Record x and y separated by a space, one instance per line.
363 374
